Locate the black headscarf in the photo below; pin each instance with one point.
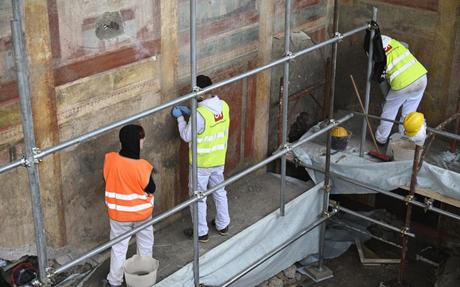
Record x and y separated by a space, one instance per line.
130 136
203 81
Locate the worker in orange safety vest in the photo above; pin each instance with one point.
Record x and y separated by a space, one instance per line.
129 189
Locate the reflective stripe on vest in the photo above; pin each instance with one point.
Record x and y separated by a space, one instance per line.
125 180
212 142
402 67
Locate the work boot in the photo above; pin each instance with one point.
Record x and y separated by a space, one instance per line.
105 283
189 233
223 231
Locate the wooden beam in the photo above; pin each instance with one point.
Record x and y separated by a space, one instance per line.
262 108
41 79
169 185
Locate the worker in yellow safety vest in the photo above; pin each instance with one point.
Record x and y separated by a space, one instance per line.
213 122
406 77
129 189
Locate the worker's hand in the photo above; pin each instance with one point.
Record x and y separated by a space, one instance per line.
185 110
176 112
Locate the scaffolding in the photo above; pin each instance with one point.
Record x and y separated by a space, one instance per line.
34 155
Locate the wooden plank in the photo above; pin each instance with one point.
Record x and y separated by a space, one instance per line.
372 261
427 192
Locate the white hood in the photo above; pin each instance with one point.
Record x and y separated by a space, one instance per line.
214 104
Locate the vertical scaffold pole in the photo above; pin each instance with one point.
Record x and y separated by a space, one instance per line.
194 185
287 40
29 136
404 238
368 85
320 272
327 181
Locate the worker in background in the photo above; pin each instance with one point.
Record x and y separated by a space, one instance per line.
213 122
129 189
406 78
414 125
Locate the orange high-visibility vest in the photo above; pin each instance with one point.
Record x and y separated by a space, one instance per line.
125 181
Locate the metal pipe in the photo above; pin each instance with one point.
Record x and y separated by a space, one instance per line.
388 193
365 233
12 165
287 39
404 239
378 222
368 83
194 185
29 136
148 112
199 196
327 183
277 250
432 130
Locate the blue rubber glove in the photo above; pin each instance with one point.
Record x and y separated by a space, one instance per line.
185 110
176 112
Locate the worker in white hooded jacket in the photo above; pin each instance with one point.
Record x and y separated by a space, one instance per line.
213 122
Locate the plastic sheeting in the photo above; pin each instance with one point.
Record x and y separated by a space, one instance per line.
384 175
237 253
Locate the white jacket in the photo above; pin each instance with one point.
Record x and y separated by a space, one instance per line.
185 129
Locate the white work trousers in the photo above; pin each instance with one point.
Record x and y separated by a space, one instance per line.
144 242
409 98
208 178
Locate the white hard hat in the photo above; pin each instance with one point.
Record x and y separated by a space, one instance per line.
385 41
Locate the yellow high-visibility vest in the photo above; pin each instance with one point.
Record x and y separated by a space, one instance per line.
402 67
212 142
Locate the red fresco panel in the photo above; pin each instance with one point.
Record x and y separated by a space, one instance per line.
431 5
250 115
75 71
319 36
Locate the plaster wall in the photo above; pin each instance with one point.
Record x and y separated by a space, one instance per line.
100 80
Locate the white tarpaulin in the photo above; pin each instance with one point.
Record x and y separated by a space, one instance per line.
237 253
384 175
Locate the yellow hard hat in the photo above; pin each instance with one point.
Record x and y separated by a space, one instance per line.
412 123
339 132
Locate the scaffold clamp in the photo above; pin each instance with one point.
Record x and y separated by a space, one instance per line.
199 194
408 199
26 162
339 36
428 204
404 231
287 147
290 55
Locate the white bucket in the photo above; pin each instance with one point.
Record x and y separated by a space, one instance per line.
400 148
141 271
